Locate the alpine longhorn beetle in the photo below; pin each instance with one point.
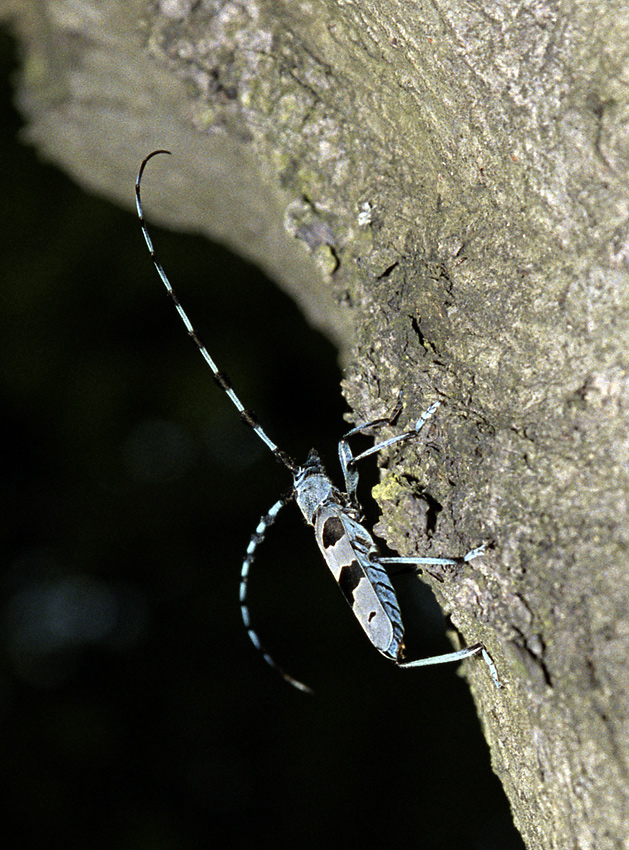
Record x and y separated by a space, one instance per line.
347 546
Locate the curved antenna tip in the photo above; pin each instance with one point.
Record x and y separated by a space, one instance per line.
155 152
146 159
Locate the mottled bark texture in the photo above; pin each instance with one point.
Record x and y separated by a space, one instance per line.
443 188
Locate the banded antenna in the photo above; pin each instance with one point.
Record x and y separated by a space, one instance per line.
220 378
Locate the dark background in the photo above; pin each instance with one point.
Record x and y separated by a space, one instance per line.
134 711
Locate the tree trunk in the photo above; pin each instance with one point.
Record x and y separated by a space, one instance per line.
443 189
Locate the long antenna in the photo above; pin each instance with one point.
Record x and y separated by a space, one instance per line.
220 378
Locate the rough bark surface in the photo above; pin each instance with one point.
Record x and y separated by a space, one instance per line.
443 188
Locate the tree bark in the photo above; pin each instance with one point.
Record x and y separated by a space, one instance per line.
443 188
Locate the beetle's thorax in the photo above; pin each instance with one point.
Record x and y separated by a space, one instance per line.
313 487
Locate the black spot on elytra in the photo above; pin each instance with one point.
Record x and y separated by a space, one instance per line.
349 579
332 531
